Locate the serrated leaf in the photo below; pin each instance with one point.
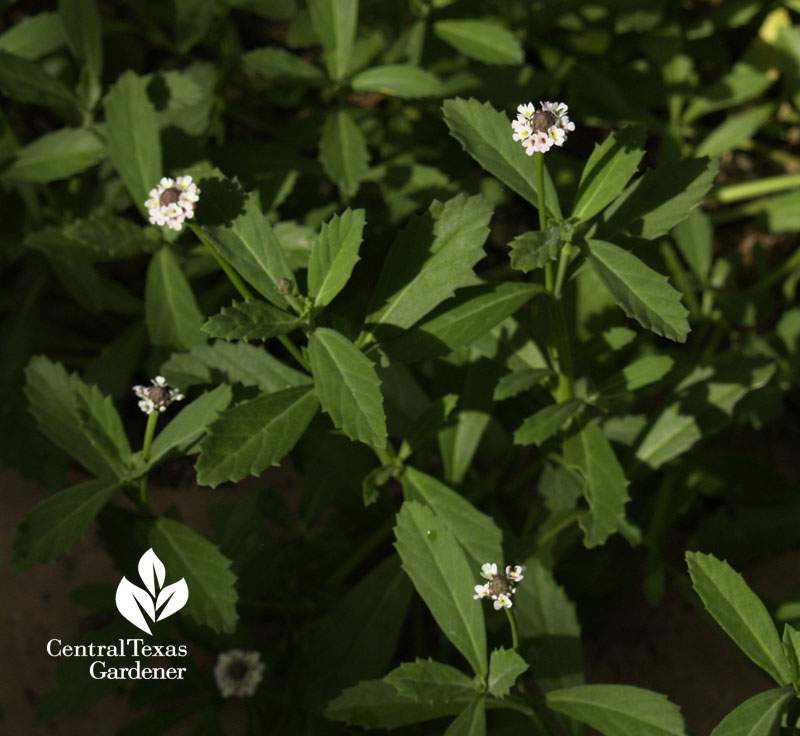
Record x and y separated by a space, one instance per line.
277 63
471 721
57 155
430 681
756 716
252 320
348 386
546 422
343 152
477 533
695 240
26 81
460 321
431 258
481 40
335 23
212 589
535 248
132 136
485 134
171 312
57 523
505 666
377 704
641 292
248 243
642 372
516 382
619 710
740 612
335 255
249 437
438 568
398 80
606 488
608 170
83 31
660 199
189 424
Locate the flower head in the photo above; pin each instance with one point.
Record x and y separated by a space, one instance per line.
158 396
172 202
238 672
541 130
501 586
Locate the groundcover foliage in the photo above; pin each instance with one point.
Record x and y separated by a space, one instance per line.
478 349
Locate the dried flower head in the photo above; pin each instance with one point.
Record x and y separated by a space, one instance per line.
501 586
238 672
172 202
158 396
539 130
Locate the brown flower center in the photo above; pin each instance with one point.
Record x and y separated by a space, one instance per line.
158 395
540 122
170 196
500 585
237 670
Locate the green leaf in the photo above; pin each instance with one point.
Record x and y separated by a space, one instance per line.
485 134
757 716
132 136
84 32
734 131
484 41
56 524
398 80
742 83
542 425
34 36
249 437
186 554
335 23
641 292
190 95
431 258
782 213
57 155
461 320
439 570
277 63
641 372
505 666
26 81
606 488
343 152
171 312
608 170
335 255
695 241
431 681
516 382
740 612
252 320
76 417
376 704
477 533
619 710
660 199
535 248
348 386
471 721
791 646
100 237
704 402
189 424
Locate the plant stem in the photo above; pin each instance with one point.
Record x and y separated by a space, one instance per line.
149 432
548 267
512 621
563 261
750 189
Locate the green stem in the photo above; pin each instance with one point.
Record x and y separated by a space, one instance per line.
561 349
548 267
679 276
563 261
295 351
149 432
750 189
512 622
224 265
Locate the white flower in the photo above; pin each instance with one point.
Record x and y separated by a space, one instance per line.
540 131
238 672
158 396
172 202
501 586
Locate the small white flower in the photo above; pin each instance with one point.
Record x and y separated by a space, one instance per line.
158 396
481 591
501 586
238 672
172 202
488 570
514 573
539 131
525 112
502 601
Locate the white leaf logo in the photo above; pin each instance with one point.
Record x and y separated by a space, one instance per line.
132 600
